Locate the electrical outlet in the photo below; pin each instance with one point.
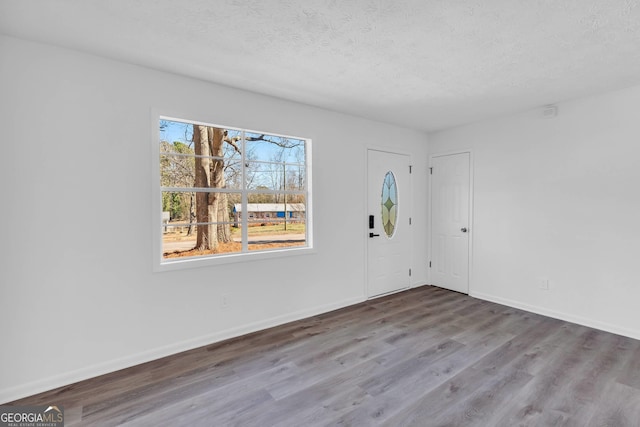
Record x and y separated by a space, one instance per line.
224 301
543 283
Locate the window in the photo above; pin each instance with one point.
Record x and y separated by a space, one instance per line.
227 191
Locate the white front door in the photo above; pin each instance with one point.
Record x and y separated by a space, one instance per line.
450 228
387 224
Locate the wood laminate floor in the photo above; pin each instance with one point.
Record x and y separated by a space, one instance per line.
424 357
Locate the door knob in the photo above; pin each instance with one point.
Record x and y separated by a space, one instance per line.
463 229
373 235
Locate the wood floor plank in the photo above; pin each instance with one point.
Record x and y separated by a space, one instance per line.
630 374
476 407
229 400
148 398
393 393
551 367
476 374
400 374
333 395
424 357
618 406
584 391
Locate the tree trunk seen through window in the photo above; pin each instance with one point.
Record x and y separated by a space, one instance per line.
210 207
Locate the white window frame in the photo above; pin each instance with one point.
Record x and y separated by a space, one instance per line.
160 264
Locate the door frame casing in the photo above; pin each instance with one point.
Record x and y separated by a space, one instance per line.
471 222
365 229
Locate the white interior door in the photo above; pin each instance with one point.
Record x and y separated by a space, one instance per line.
388 234
450 187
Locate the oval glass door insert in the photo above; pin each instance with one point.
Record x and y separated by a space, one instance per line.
389 204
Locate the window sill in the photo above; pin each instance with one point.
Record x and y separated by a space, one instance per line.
198 262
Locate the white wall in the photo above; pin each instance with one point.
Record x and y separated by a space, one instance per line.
559 199
78 296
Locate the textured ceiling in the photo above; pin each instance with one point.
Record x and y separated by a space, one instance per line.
424 64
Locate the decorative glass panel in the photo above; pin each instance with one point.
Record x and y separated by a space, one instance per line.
389 204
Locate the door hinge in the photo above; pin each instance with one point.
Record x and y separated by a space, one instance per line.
429 264
409 272
430 171
410 166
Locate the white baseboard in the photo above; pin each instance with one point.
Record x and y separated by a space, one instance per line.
419 283
18 392
603 326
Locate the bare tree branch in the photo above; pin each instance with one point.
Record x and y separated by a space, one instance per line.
232 141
